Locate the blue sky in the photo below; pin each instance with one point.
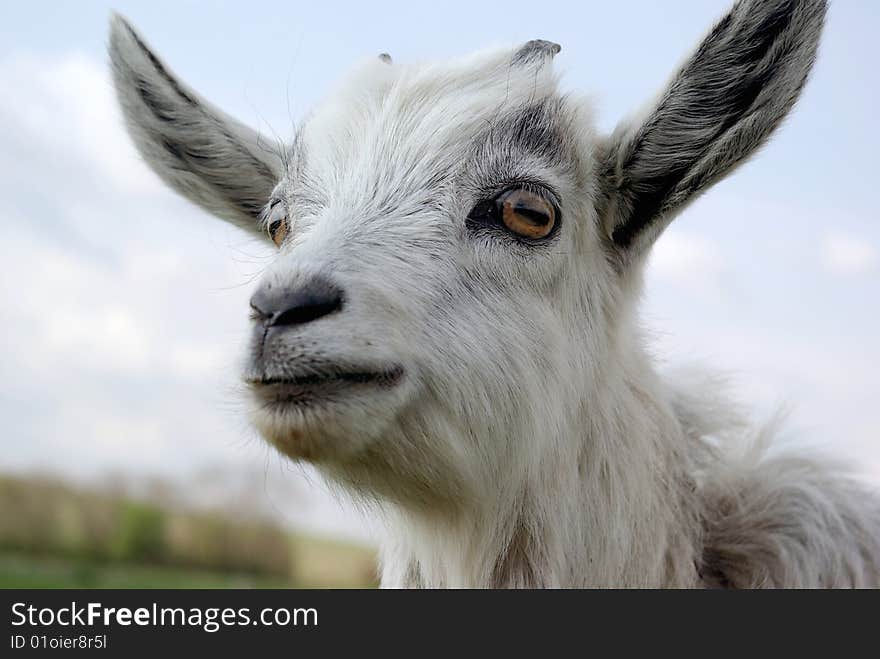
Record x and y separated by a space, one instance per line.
124 307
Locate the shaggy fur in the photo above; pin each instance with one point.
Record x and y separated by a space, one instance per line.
491 396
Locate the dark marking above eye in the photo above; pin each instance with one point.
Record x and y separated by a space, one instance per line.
536 130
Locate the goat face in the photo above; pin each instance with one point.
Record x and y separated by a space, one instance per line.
457 251
435 268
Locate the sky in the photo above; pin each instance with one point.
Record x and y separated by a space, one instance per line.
124 307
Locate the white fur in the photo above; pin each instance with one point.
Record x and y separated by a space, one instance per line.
530 441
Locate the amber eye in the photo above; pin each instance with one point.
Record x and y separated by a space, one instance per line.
277 224
520 211
526 213
278 231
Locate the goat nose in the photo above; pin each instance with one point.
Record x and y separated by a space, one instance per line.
279 305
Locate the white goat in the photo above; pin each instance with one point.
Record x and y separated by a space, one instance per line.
449 328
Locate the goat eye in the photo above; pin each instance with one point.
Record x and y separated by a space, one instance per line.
526 213
520 211
277 225
278 231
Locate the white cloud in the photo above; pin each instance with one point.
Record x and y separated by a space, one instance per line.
845 254
688 264
685 257
66 104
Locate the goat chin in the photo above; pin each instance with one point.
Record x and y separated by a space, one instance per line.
321 426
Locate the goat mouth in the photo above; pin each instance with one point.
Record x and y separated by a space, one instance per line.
324 385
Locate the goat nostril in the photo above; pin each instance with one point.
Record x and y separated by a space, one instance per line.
307 307
281 306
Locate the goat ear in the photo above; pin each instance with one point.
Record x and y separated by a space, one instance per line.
205 155
723 103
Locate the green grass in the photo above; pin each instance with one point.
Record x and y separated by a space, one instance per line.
20 571
57 535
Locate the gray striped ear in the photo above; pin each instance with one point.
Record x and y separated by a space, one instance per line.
723 104
205 155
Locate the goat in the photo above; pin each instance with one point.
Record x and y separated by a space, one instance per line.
449 329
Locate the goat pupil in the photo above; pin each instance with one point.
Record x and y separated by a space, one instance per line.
533 215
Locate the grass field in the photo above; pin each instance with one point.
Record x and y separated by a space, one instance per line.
55 535
20 571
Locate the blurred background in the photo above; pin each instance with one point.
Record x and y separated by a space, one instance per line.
126 459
